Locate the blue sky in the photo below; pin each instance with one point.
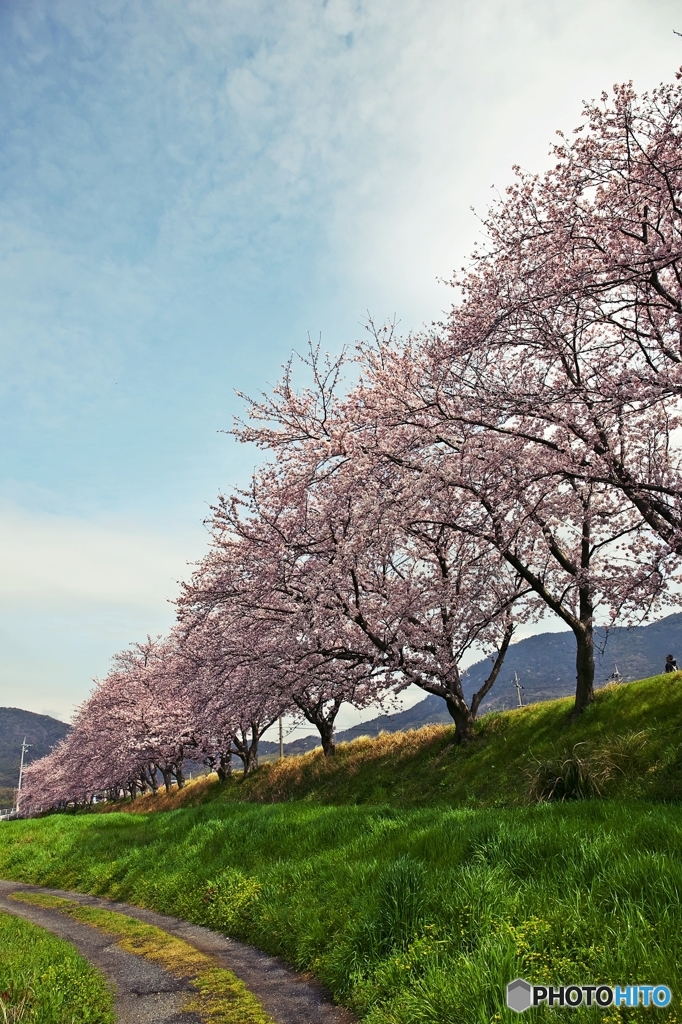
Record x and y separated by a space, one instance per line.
186 190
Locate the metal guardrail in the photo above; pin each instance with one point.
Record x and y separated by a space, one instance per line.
7 813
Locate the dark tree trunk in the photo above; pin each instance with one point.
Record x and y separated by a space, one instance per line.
584 664
584 661
247 751
251 756
495 671
326 730
167 778
179 776
323 720
462 715
463 719
450 689
224 767
583 625
152 778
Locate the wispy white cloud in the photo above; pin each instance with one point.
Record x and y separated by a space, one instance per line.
73 593
50 559
236 139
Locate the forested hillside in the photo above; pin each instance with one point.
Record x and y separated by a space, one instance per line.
41 731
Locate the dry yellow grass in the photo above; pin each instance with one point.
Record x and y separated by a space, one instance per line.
350 758
193 792
279 780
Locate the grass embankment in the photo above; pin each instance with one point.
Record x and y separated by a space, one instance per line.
629 742
220 998
412 914
416 916
43 980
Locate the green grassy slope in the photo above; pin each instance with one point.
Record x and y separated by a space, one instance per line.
633 731
417 914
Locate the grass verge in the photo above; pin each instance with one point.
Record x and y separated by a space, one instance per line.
409 916
221 997
43 980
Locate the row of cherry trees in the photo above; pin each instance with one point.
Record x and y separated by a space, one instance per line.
519 458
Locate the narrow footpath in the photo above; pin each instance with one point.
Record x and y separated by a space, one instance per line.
146 993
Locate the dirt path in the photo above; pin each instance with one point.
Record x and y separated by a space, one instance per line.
147 994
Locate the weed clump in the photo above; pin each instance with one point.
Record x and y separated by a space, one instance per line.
15 1003
570 776
401 901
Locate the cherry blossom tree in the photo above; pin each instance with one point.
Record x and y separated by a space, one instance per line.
569 328
145 697
134 726
406 593
579 545
48 783
243 613
230 690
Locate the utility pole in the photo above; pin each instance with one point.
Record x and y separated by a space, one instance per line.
519 689
24 748
281 739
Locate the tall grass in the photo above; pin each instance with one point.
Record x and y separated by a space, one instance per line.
438 875
410 916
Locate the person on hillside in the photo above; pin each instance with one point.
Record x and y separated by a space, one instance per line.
670 664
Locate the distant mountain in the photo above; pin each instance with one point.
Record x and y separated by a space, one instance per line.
545 665
41 732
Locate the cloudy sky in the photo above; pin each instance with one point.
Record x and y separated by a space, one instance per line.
189 187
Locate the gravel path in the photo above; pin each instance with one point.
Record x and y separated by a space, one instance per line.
146 994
